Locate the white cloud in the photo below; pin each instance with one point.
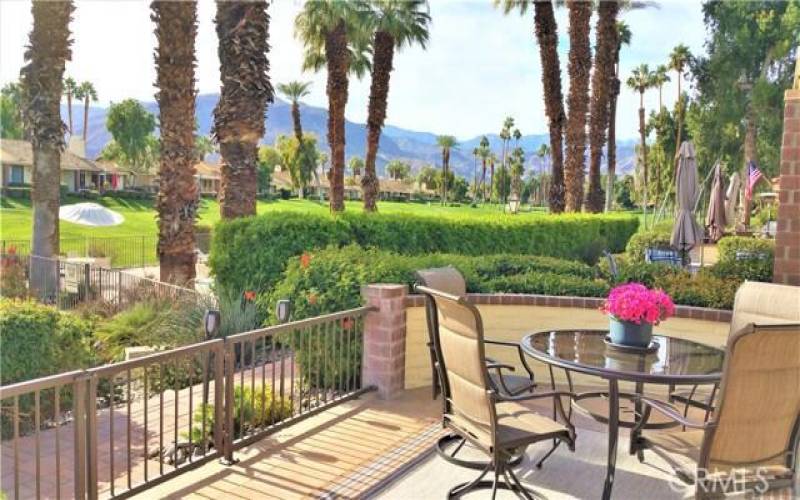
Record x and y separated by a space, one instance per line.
480 65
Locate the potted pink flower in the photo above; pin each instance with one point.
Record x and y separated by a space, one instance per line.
633 309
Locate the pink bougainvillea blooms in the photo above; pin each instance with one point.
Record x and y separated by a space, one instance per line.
636 303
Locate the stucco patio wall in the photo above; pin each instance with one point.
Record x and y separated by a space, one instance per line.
510 317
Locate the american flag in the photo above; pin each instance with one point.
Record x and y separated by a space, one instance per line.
753 175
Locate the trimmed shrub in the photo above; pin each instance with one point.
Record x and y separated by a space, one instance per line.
703 290
251 253
38 340
747 248
640 242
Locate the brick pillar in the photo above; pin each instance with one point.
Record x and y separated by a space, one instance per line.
787 239
384 364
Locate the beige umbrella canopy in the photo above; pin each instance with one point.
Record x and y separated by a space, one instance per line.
90 214
687 232
715 217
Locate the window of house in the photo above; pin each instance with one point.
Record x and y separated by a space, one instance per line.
17 175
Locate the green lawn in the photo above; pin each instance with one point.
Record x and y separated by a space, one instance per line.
140 216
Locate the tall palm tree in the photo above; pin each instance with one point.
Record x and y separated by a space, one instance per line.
70 87
176 29
88 93
243 33
543 153
334 37
397 23
623 38
678 59
294 91
641 79
660 78
579 68
356 166
492 161
476 153
505 136
42 87
546 30
446 142
602 81
484 151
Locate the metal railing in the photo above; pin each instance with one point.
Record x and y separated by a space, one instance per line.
68 284
117 252
116 430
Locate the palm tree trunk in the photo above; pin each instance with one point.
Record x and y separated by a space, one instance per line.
680 117
483 180
298 127
643 145
612 145
338 62
580 65
242 30
69 111
547 37
602 81
42 78
85 118
383 56
176 29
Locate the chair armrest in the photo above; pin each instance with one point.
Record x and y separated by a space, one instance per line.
520 353
669 411
539 395
500 366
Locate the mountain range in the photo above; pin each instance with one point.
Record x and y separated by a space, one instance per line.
415 147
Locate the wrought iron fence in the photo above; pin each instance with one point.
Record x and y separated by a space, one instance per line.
119 252
67 284
116 430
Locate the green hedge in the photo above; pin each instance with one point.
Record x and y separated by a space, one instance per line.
251 253
332 278
639 242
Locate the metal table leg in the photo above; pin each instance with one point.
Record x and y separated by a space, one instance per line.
613 435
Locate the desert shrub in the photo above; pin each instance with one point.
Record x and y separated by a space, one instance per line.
640 242
12 275
251 253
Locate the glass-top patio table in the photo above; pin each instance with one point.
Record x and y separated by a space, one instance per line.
672 361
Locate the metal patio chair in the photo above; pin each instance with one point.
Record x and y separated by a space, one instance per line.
755 302
474 408
449 280
751 440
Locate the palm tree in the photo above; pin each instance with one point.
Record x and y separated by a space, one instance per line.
547 37
640 80
356 166
602 81
176 29
42 87
660 78
492 161
446 142
87 92
678 59
294 91
543 152
243 31
484 151
505 136
70 87
397 23
579 68
476 153
517 170
333 34
623 38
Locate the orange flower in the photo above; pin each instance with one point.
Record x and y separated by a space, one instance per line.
312 298
250 295
11 250
347 323
305 260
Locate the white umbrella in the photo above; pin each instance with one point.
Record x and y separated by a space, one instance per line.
90 214
687 232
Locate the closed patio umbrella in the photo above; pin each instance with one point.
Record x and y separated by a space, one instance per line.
715 217
90 214
686 233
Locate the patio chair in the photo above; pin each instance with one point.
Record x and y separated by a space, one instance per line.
755 302
494 423
751 440
663 255
449 280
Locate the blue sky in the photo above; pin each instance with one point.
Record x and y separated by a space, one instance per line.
479 67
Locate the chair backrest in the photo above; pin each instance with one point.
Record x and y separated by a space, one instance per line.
758 413
765 304
663 255
448 280
460 349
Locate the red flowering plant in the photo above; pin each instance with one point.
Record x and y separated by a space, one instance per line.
636 303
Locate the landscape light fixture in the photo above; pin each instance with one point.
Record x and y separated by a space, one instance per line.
211 322
283 309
